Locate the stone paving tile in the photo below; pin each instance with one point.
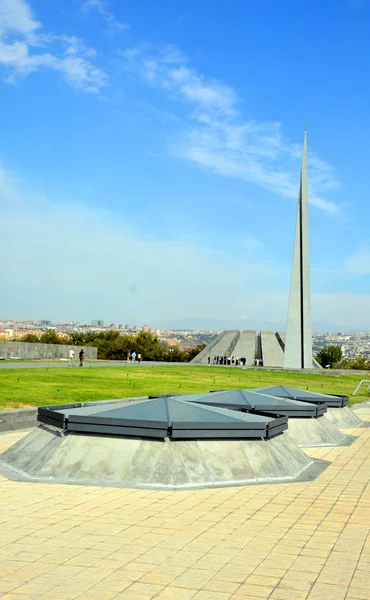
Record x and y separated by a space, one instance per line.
289 541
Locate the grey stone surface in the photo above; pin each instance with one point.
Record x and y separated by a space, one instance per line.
298 344
27 350
47 455
223 345
315 432
343 418
246 346
202 357
21 418
272 352
361 408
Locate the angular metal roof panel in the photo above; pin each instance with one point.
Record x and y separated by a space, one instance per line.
283 391
249 400
162 417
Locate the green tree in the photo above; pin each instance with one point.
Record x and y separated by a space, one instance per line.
113 346
190 354
52 337
330 355
29 337
148 346
359 363
77 339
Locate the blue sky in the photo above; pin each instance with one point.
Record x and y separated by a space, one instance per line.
150 156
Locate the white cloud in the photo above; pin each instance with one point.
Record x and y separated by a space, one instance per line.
21 37
101 6
217 136
16 17
168 70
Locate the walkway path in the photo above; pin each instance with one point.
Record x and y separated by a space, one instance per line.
292 541
99 363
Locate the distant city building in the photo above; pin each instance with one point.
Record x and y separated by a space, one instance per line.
45 323
97 323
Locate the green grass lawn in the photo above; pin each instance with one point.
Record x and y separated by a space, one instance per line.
33 387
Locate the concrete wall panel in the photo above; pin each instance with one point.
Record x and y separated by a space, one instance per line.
28 350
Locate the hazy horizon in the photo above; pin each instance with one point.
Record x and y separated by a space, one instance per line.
150 159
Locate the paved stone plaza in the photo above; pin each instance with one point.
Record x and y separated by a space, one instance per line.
283 541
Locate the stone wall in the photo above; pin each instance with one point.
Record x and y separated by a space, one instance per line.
29 350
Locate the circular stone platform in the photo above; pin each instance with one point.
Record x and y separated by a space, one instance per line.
220 438
47 454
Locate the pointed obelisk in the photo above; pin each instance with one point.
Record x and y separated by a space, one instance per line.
298 344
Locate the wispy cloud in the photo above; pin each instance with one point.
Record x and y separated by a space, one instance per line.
16 18
26 48
219 138
102 7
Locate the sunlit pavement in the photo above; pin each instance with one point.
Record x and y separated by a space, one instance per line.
282 541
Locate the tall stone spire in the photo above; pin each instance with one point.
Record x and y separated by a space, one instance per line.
298 345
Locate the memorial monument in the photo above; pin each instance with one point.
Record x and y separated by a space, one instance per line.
298 343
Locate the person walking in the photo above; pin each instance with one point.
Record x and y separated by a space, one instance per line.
139 358
71 356
128 356
81 355
209 361
133 357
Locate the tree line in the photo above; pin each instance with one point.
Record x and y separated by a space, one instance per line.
332 357
113 346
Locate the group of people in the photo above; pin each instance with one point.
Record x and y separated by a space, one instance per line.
227 360
81 356
133 357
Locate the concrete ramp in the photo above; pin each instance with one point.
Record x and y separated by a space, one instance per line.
246 347
202 357
223 346
315 432
272 352
48 455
